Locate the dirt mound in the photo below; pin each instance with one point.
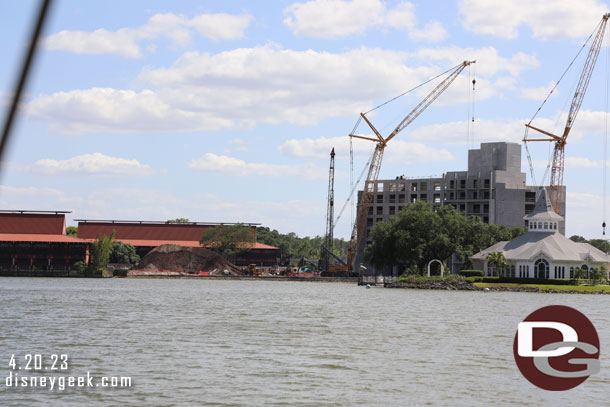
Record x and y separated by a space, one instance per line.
171 257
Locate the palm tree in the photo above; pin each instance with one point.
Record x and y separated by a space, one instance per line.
497 260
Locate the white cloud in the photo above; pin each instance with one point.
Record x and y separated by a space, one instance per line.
546 19
245 86
96 164
432 32
125 41
222 164
220 26
122 42
333 18
539 93
238 87
401 17
341 18
126 111
397 151
511 130
488 61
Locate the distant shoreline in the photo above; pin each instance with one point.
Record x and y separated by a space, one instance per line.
468 286
162 275
252 278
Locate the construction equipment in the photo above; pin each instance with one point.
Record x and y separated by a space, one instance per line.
375 163
327 244
557 167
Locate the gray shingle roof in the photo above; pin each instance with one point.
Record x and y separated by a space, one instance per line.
554 245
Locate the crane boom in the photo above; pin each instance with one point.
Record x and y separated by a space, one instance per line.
373 172
557 167
327 245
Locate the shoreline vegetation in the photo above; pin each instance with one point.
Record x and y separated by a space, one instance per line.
461 283
450 283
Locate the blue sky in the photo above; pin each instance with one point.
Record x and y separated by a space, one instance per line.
227 111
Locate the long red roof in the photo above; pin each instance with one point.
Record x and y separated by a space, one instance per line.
186 243
33 223
39 237
143 231
151 234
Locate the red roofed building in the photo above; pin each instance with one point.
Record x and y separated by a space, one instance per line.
37 240
145 236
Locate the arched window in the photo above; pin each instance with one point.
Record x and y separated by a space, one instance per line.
546 225
555 225
571 273
534 225
586 269
541 268
539 225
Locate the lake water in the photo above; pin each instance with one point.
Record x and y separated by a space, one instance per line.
254 343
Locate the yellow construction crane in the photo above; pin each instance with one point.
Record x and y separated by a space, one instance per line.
375 164
557 167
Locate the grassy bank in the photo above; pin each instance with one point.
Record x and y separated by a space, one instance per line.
583 288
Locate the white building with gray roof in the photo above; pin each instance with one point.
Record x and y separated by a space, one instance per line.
543 252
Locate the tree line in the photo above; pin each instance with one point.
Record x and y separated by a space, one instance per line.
420 233
292 246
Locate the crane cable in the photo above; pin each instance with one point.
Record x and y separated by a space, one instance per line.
468 107
351 178
604 158
474 81
529 158
412 89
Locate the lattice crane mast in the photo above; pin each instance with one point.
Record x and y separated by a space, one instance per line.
557 167
375 164
327 245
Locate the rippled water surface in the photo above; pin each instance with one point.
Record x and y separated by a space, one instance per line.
254 343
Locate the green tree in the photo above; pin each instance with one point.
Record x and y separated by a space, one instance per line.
580 274
179 220
578 239
498 261
294 247
123 253
419 234
228 240
72 231
100 253
596 275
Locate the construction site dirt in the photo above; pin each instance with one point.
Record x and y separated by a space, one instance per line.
175 259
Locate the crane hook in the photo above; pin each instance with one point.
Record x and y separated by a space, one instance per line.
473 83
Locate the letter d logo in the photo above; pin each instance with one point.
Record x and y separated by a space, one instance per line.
556 348
526 338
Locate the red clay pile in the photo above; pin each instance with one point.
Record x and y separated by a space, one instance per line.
171 258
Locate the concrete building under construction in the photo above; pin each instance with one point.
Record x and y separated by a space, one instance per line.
492 188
